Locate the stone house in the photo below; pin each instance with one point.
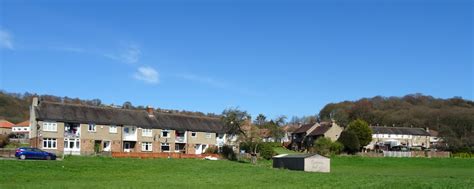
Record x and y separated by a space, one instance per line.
304 137
84 130
5 127
385 137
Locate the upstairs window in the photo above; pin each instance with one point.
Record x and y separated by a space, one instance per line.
193 134
113 129
165 134
147 133
208 135
50 126
91 127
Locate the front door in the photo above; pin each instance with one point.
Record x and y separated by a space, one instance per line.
106 146
126 146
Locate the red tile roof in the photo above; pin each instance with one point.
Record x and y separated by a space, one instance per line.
23 124
6 124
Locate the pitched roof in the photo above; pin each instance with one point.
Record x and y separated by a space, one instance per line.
114 116
399 130
320 130
6 124
303 128
433 133
23 124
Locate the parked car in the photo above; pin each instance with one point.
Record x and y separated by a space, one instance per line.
33 153
399 148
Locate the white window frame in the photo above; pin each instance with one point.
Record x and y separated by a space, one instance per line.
145 145
168 135
113 129
147 132
50 126
194 133
51 143
208 135
89 127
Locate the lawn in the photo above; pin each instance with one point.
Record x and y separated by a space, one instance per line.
346 172
281 150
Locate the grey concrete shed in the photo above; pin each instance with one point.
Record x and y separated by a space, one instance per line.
302 162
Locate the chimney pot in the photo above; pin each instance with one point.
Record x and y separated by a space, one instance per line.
149 109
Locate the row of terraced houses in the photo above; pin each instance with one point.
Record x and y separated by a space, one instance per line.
84 130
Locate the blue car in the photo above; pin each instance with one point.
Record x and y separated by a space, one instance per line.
33 153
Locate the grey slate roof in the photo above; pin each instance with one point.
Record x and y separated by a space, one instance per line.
50 111
320 130
399 130
303 128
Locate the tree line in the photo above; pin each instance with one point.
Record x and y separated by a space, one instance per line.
453 118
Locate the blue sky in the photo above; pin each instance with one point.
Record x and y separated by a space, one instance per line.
272 57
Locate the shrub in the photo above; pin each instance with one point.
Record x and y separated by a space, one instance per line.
4 140
212 150
228 153
350 141
336 147
266 150
362 131
322 146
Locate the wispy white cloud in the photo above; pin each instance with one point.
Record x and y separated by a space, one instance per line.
217 84
130 54
6 40
147 74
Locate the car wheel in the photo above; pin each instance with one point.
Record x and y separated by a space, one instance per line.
22 157
48 157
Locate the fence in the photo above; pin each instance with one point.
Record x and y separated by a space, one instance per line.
428 154
7 152
144 155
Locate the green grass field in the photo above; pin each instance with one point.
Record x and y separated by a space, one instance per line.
346 172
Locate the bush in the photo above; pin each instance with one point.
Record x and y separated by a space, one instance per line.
212 150
350 141
324 146
4 140
362 131
266 150
336 148
228 153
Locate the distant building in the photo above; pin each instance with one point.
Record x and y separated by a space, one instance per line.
385 137
83 130
21 130
5 127
304 137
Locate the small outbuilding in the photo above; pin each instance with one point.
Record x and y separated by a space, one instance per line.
302 162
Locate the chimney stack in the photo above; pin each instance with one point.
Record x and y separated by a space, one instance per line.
149 110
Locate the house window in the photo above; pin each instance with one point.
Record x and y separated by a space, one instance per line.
91 128
113 129
165 147
220 136
126 130
165 134
147 132
193 134
147 146
50 126
49 143
208 135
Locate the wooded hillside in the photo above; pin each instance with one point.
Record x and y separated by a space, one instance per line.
453 118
